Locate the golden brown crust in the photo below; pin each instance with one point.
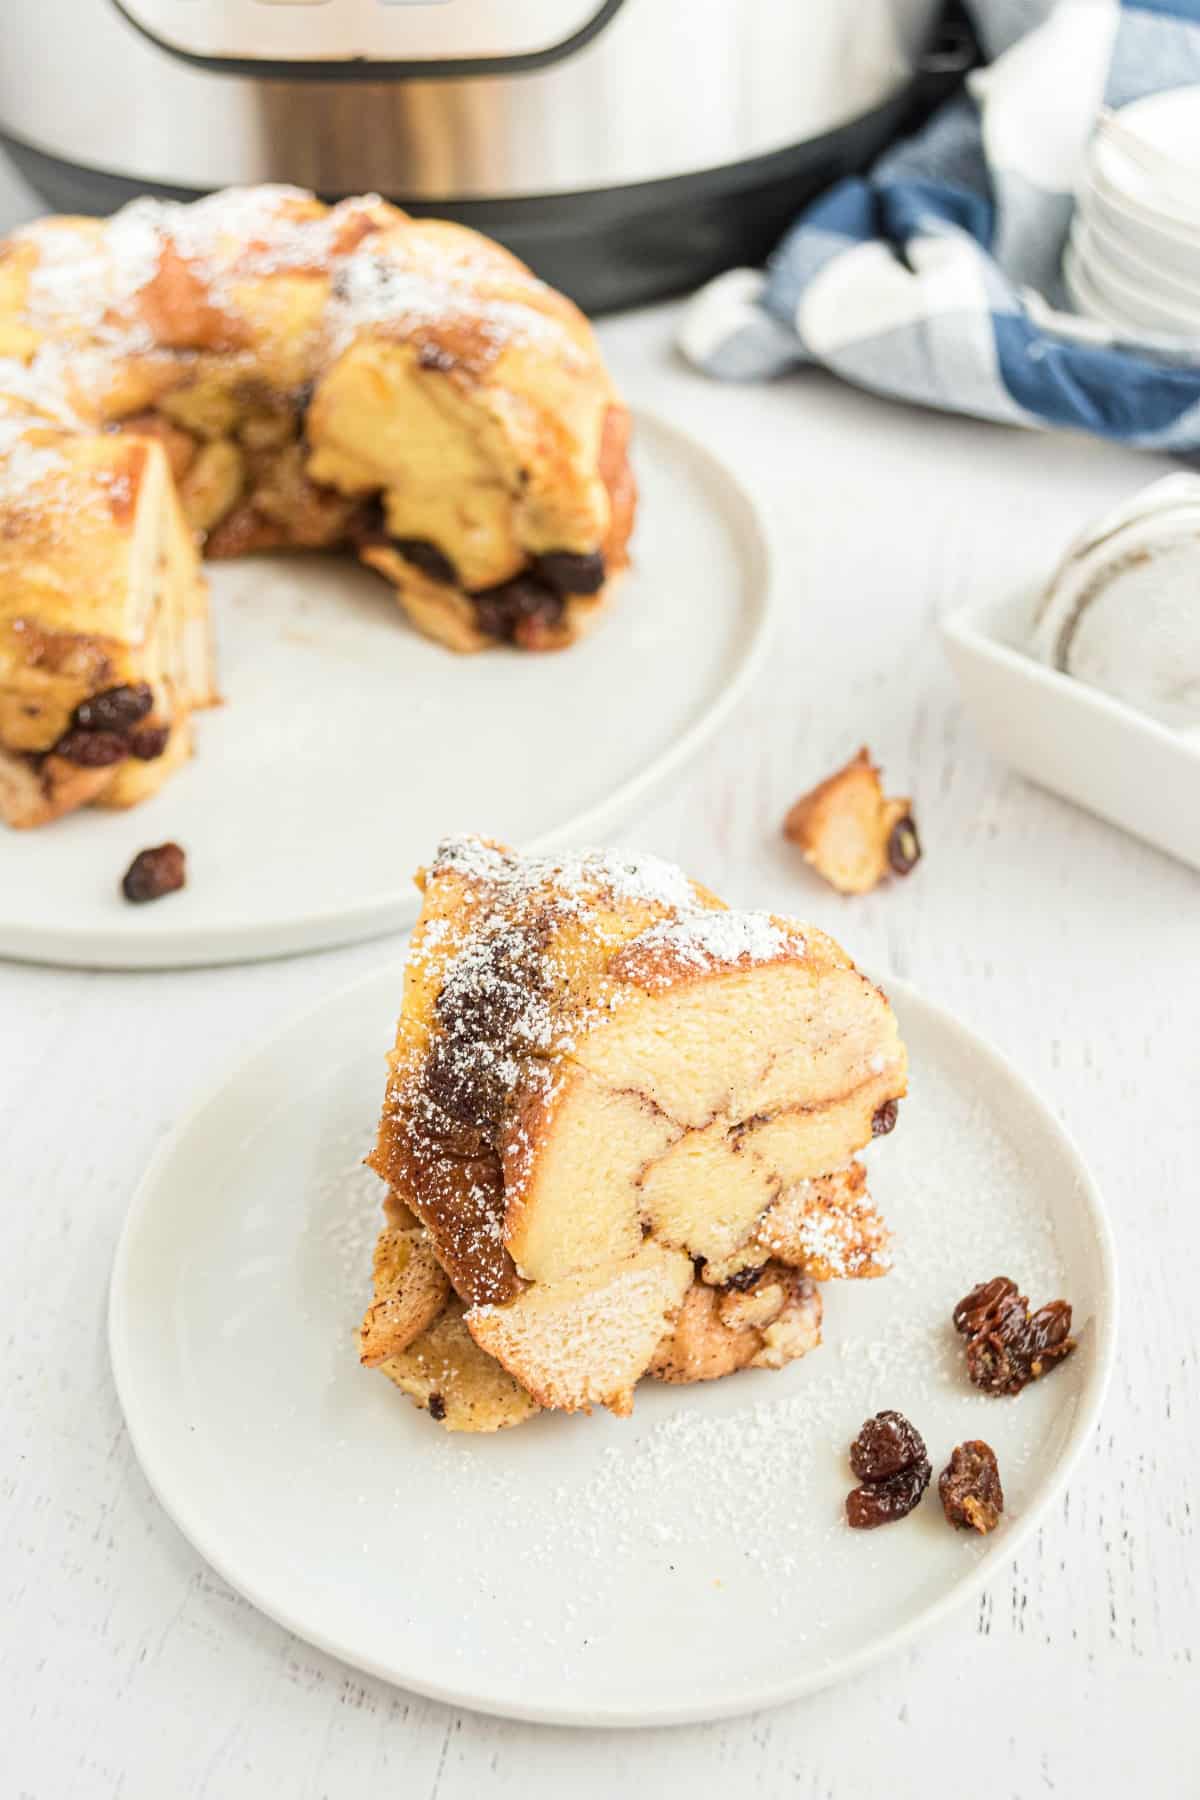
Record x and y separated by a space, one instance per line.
445 1373
411 1291
36 790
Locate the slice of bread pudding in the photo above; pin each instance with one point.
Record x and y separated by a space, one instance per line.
618 1136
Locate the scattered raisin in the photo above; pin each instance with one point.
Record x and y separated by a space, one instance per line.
428 558
884 1119
969 1485
149 743
437 1407
117 709
1006 1347
745 1279
882 1502
889 1457
92 749
977 1307
903 846
885 1445
155 872
569 572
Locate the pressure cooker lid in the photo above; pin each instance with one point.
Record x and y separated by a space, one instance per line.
341 38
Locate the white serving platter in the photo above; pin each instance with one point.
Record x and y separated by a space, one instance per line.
687 1563
1071 738
349 745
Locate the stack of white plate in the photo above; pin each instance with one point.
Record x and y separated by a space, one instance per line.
1133 257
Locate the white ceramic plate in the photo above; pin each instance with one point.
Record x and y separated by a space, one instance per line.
350 744
1081 743
1147 244
684 1564
1087 298
1154 297
1149 177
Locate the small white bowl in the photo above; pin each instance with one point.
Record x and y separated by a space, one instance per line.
1071 738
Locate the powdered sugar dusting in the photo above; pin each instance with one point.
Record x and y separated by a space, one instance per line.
504 1016
706 940
576 878
371 288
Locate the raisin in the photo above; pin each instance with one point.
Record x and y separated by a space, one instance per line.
882 1502
903 846
1006 1347
437 1407
569 572
889 1457
92 749
884 1118
428 558
977 1306
885 1445
154 872
969 1486
366 528
745 1279
500 611
149 743
117 709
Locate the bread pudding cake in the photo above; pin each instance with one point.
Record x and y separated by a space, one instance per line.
619 1136
260 371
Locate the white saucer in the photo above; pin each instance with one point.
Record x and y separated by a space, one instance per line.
688 1563
349 745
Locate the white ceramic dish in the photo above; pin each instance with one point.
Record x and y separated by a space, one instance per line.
1154 295
688 1563
1100 304
1163 131
349 744
1069 737
1148 243
1147 177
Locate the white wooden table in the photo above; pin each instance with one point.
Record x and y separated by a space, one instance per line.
129 1669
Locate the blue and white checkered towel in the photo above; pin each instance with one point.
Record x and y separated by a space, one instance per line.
936 278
